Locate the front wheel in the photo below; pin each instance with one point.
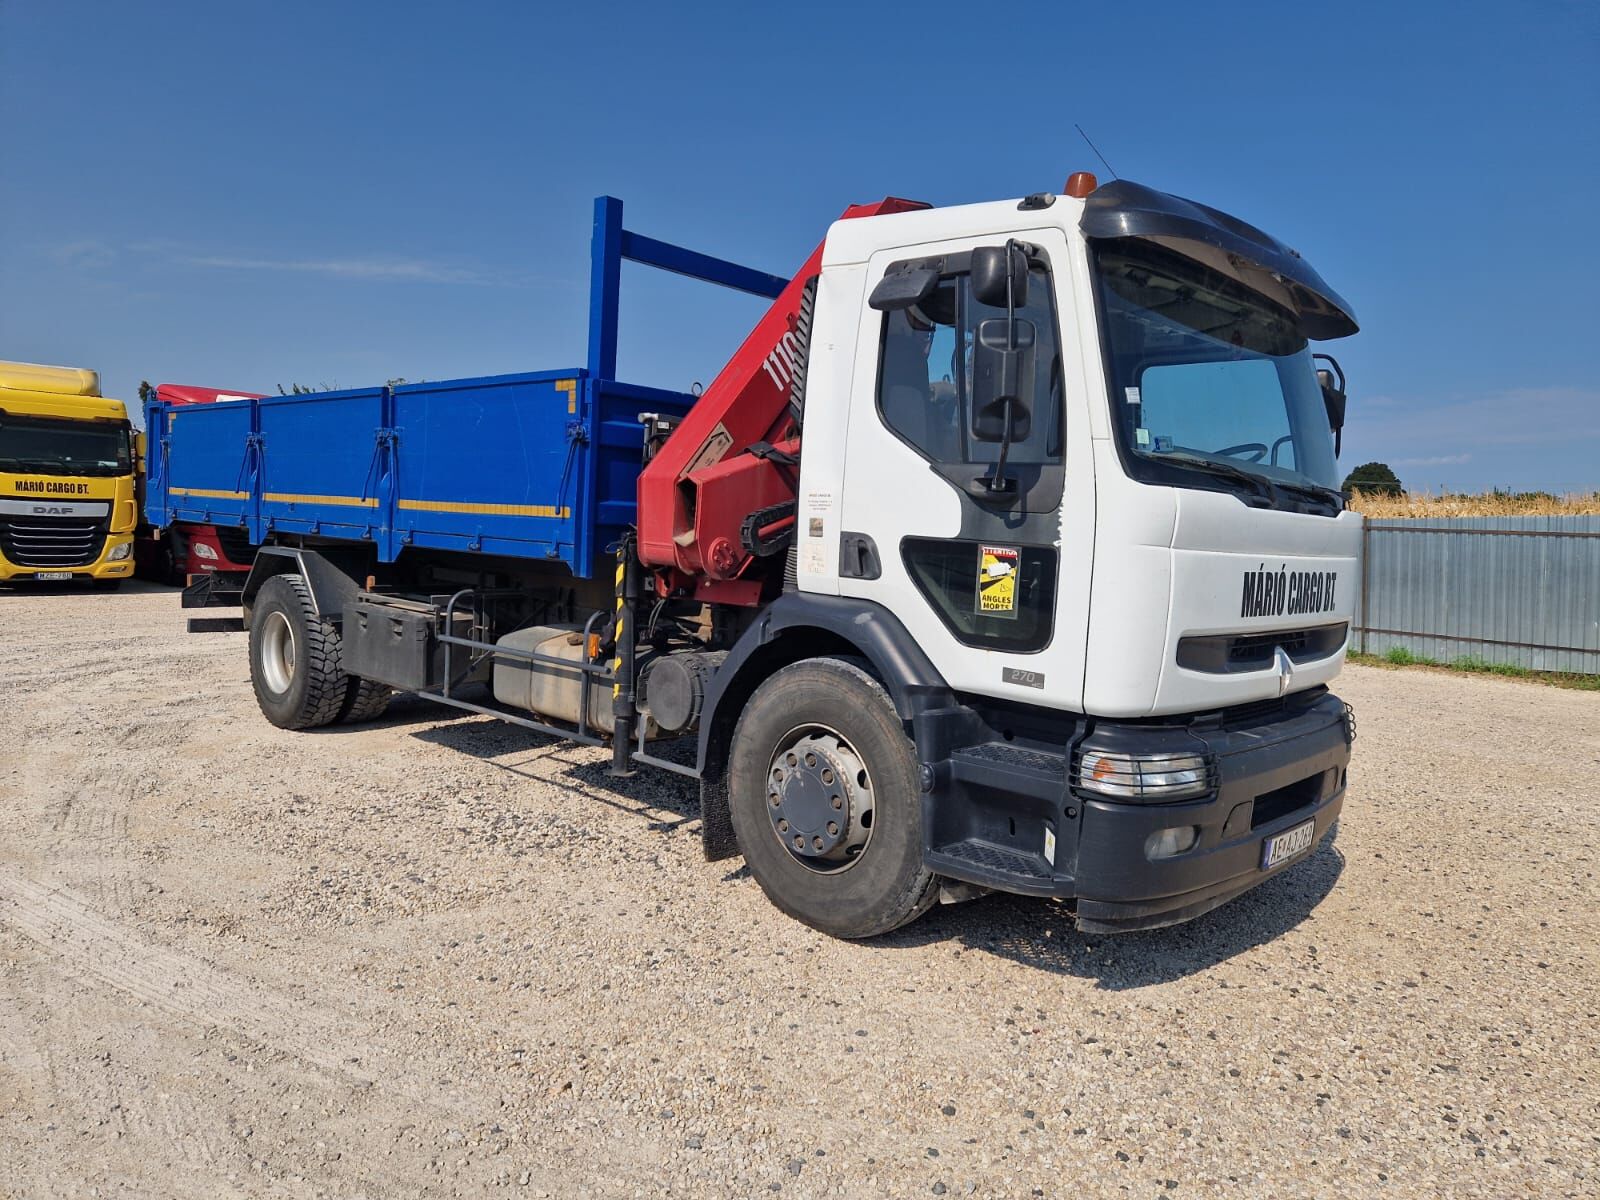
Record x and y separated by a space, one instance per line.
823 794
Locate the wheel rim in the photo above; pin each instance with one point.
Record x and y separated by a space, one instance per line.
277 652
820 799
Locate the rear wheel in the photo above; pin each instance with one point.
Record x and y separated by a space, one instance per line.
366 701
296 660
823 793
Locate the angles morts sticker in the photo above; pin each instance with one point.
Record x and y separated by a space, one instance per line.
997 580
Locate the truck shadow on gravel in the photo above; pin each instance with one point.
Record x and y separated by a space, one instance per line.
1034 933
532 755
1041 933
82 587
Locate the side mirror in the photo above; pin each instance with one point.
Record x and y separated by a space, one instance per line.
902 289
1331 381
1002 378
992 266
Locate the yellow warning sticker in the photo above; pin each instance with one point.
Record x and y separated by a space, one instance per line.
997 580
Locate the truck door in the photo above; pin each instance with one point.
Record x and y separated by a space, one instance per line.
976 575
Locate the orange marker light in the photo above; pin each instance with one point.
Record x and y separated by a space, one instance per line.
1080 184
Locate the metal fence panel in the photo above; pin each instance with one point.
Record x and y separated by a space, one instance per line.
1517 590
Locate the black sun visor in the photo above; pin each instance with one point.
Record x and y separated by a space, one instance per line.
1124 209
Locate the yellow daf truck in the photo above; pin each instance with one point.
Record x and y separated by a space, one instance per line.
67 474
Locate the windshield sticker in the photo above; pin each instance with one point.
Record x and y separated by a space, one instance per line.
1163 444
1142 436
1132 393
997 580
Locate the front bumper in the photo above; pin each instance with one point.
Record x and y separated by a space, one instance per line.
103 567
1273 773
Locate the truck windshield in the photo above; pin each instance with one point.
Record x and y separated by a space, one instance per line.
47 446
1212 383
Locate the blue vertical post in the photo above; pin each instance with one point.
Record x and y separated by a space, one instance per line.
605 286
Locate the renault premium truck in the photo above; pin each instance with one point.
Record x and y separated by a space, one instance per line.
1007 553
67 509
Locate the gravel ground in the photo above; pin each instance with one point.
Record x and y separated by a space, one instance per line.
438 956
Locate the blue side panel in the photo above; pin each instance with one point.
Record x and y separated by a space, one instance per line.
202 463
542 466
493 465
619 446
321 459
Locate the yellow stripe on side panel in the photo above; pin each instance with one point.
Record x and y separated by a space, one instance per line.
347 501
570 387
208 493
498 510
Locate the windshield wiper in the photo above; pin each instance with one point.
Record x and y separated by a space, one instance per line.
41 465
1263 486
1316 491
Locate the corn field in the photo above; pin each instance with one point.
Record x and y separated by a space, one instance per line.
1483 504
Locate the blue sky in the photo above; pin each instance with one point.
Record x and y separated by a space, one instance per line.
247 195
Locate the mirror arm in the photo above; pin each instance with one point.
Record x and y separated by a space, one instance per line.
997 484
1011 306
1001 481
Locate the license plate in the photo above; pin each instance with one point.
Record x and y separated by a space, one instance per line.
53 575
1287 844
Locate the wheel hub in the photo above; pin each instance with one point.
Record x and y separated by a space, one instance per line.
819 799
278 653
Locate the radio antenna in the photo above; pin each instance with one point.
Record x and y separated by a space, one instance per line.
1095 148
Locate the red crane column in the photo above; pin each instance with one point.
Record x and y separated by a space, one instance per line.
704 482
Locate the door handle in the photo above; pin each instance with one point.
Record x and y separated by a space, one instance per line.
858 557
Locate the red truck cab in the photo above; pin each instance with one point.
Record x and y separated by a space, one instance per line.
183 551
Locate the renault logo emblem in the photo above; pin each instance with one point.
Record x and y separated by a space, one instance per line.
1285 669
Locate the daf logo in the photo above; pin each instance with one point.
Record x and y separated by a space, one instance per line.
51 510
1285 669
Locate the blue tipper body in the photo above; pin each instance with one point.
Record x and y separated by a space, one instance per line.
539 466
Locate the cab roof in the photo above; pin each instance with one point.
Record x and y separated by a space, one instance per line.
28 403
1119 209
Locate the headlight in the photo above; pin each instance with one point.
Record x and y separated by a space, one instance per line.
201 550
120 552
1144 776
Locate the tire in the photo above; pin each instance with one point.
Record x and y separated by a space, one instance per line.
296 658
174 558
167 566
867 877
365 701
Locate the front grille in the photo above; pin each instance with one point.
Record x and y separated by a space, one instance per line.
1224 654
51 543
235 543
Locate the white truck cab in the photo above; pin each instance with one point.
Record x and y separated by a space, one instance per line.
1163 561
